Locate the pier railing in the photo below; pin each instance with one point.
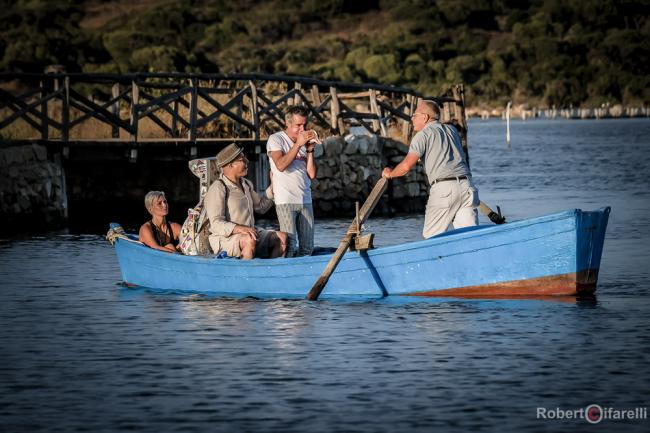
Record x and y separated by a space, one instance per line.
181 108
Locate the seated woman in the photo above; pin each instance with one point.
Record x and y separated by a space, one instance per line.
159 233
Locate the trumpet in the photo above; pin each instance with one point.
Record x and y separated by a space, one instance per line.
315 140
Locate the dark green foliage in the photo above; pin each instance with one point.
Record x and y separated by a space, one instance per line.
34 34
551 52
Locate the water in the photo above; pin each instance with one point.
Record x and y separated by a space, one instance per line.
80 352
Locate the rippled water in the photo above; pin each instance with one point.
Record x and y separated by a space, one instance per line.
80 352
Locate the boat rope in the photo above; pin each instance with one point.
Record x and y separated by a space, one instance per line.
118 232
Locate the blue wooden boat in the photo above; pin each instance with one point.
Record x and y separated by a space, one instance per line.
556 254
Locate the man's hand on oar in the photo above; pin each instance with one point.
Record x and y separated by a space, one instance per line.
364 213
495 217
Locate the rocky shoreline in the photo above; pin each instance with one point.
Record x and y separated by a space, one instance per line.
348 168
525 111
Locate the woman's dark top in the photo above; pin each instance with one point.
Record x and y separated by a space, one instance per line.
163 238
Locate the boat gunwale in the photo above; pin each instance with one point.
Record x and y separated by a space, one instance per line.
443 239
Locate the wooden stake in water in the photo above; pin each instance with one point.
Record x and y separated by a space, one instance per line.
508 122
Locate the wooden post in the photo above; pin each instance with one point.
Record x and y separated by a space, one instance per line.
459 95
406 124
315 95
174 121
135 100
44 112
255 114
378 125
335 110
297 100
508 123
115 109
237 127
193 109
459 114
65 112
57 86
446 113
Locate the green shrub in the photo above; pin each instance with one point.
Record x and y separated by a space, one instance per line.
382 68
583 52
157 59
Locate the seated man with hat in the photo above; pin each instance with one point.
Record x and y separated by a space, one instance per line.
230 203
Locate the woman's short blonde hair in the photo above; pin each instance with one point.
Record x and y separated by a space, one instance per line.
151 198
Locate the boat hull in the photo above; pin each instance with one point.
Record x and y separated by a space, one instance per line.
556 254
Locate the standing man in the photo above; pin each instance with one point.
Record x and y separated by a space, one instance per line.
291 155
230 203
453 198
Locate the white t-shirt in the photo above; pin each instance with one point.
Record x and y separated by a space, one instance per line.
292 186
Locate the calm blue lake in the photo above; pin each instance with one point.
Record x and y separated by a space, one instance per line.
79 352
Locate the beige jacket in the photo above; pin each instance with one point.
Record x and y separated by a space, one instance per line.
238 210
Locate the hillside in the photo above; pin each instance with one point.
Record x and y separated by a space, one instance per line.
544 53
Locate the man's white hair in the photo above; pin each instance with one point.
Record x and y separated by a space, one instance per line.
433 107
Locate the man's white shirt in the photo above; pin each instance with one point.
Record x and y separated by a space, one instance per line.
292 186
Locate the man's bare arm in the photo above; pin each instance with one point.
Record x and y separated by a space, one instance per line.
402 168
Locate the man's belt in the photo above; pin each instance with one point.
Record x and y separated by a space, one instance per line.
444 179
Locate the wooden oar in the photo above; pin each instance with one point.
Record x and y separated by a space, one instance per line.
364 213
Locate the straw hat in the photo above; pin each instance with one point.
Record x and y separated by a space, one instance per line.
228 154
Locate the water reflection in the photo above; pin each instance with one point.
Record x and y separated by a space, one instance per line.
587 301
82 353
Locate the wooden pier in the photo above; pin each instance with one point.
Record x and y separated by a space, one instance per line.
88 144
195 111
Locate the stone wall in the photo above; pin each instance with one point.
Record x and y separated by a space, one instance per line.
33 192
349 167
32 188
